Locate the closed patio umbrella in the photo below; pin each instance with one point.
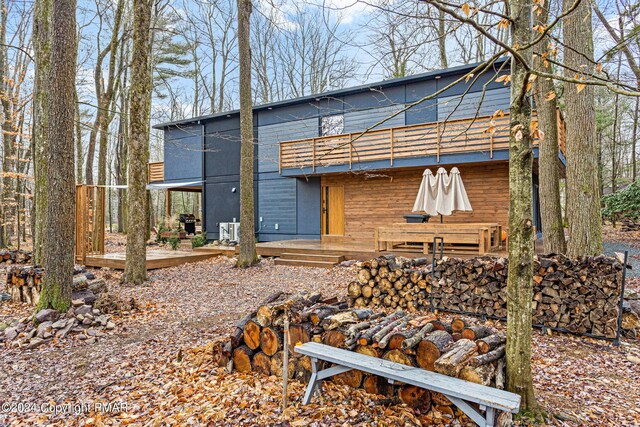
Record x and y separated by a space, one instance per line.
455 196
441 194
426 198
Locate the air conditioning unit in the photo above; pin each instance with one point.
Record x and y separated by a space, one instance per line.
230 231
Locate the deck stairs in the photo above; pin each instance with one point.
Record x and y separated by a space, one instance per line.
305 259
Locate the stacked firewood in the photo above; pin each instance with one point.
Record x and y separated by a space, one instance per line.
579 295
629 225
474 353
15 256
392 282
24 283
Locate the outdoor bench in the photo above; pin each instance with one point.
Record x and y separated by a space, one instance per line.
461 393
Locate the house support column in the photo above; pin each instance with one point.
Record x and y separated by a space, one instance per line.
167 208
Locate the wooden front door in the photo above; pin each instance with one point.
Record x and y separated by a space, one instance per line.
333 210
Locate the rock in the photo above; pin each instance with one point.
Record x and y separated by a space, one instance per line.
84 309
5 297
42 328
87 322
80 317
77 302
10 333
63 332
80 283
35 342
633 359
3 326
90 276
86 296
91 332
98 286
347 263
82 337
47 314
91 340
110 326
32 333
59 324
102 320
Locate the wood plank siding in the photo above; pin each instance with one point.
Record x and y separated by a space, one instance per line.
155 172
383 197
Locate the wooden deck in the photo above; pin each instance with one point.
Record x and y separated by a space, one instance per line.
361 251
481 134
155 259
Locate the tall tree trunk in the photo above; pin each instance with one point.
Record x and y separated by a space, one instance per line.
58 240
247 255
634 143
442 39
138 153
549 176
8 135
583 197
520 277
41 47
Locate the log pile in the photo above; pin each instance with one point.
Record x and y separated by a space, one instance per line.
629 225
15 256
474 353
579 295
24 284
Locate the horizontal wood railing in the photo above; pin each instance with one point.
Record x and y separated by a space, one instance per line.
155 171
482 134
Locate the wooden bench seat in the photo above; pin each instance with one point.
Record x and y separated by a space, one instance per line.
461 393
477 238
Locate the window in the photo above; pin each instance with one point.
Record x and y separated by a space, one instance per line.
332 125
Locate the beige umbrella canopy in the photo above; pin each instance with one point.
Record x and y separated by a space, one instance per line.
441 194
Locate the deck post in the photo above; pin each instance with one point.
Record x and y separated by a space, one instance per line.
491 146
313 156
350 151
280 158
438 141
391 144
167 207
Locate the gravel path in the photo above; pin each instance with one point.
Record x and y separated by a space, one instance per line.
634 255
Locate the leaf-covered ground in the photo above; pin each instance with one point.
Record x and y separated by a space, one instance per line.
155 368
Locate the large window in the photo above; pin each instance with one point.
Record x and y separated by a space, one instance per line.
332 125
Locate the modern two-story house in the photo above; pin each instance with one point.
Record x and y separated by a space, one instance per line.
336 165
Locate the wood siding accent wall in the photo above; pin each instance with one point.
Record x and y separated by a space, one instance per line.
383 197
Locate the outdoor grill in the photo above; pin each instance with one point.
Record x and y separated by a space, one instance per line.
189 221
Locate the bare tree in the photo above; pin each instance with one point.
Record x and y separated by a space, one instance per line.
549 176
583 197
58 240
138 151
248 255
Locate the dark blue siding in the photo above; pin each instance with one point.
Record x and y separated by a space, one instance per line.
308 206
183 153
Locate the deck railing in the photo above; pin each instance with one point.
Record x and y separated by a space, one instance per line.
155 172
483 134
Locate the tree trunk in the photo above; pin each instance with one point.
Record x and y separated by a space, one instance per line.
59 238
41 45
442 39
138 153
248 254
549 176
634 143
521 249
583 197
